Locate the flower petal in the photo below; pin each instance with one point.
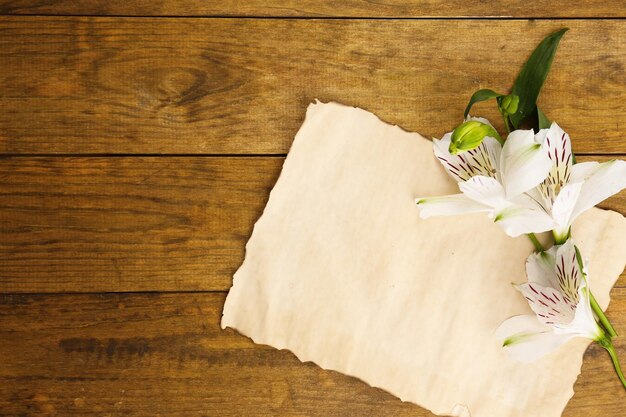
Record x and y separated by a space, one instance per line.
559 149
584 323
583 170
563 207
482 160
448 205
523 216
603 181
485 190
524 163
568 272
525 339
549 304
574 286
540 268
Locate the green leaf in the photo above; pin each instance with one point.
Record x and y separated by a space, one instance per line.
478 96
544 122
532 76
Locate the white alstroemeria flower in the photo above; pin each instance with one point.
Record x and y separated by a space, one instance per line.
570 189
557 292
494 179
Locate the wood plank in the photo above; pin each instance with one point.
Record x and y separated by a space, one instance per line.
159 355
128 224
93 224
155 354
128 85
313 8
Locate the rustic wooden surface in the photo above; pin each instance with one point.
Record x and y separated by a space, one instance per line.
109 224
165 354
323 8
233 86
137 152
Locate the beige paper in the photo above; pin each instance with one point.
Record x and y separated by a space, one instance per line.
341 271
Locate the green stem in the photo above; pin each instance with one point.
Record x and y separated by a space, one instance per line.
607 344
603 319
538 245
506 123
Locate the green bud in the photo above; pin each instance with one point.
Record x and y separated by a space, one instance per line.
510 104
469 135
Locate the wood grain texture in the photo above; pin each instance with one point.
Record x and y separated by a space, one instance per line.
128 224
134 223
128 85
317 8
156 354
79 85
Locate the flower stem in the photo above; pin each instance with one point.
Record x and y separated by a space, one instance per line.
506 122
538 245
606 343
601 316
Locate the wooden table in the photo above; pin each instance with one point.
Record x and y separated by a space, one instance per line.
139 142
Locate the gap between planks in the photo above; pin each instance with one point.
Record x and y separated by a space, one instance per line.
277 17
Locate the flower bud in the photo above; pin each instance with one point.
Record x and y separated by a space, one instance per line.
469 135
510 104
